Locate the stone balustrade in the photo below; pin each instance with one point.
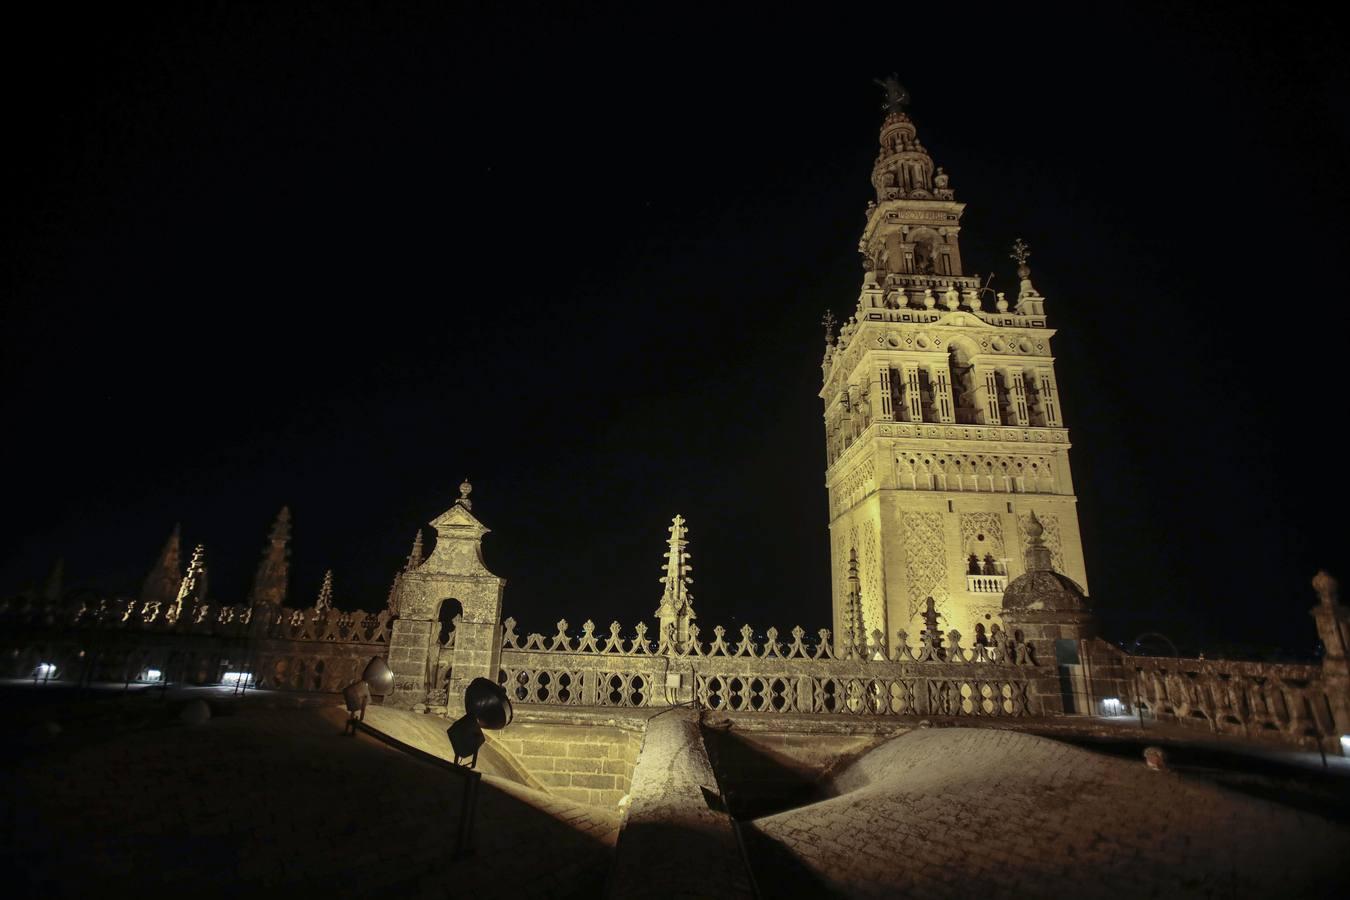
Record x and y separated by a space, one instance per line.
1249 699
987 584
102 639
210 619
768 676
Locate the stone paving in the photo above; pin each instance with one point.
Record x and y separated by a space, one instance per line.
964 812
275 802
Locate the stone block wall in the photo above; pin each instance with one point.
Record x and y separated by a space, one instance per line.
408 661
585 763
476 655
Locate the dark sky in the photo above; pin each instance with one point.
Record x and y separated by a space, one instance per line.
339 256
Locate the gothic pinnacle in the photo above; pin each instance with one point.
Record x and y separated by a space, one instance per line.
162 584
415 557
193 588
325 600
52 589
269 584
677 604
856 627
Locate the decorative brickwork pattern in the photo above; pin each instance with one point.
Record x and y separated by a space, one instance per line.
925 560
873 602
988 524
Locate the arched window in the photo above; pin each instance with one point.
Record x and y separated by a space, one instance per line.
450 609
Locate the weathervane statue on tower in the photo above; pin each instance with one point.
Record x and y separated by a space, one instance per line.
1021 252
896 95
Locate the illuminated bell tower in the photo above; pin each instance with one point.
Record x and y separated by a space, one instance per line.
942 423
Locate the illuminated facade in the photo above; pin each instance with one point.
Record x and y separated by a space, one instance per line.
943 427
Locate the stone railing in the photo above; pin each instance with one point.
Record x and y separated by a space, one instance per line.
1249 699
986 584
211 619
768 676
206 643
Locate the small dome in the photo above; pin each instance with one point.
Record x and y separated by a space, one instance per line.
1048 591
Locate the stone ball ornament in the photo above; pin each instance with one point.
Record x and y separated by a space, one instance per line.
486 707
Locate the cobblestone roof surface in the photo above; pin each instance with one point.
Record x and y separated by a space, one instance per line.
971 812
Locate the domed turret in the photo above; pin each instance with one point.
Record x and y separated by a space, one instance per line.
1042 589
1043 603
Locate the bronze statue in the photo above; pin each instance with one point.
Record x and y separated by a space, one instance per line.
896 95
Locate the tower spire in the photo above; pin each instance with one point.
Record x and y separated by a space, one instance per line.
910 242
677 604
269 584
161 585
903 169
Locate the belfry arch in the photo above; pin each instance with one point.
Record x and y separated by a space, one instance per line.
454 574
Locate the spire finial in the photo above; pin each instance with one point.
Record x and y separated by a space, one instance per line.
1039 558
465 489
828 321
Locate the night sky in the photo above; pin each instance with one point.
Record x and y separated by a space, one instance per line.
340 256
